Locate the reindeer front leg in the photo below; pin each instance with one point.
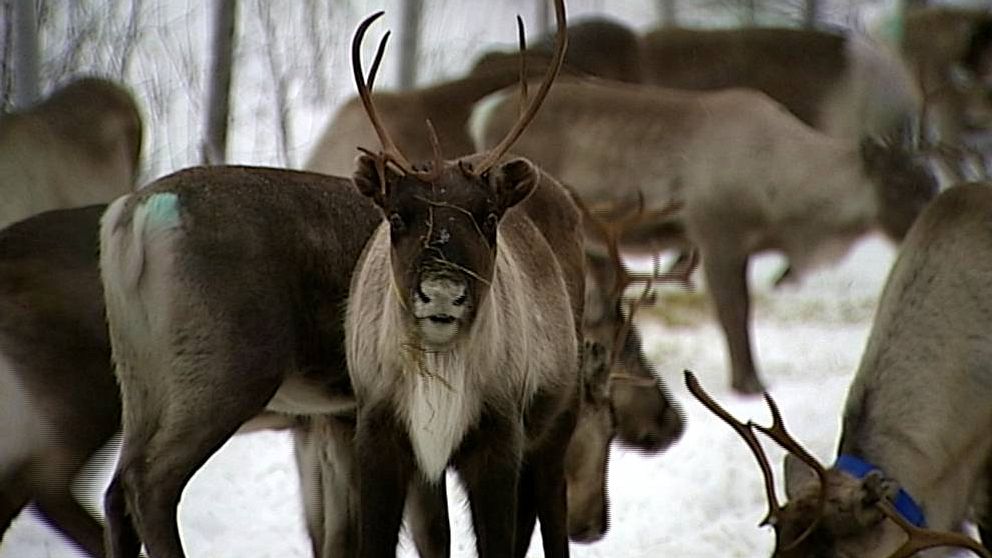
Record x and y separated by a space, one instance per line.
427 518
385 466
489 463
726 277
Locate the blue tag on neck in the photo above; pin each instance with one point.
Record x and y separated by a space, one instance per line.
903 502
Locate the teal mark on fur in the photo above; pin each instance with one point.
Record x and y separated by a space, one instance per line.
162 211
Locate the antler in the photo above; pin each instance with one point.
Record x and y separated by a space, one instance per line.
781 436
561 43
745 431
522 41
922 539
390 152
611 231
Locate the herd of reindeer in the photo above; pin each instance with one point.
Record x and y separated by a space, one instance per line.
444 287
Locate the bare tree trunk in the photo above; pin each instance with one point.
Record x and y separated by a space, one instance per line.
410 43
219 87
750 13
669 13
130 39
279 77
812 14
26 77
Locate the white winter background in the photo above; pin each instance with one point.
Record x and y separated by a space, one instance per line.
702 498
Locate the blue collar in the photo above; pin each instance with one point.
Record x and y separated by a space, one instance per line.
904 503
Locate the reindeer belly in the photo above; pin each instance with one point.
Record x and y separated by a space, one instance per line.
439 408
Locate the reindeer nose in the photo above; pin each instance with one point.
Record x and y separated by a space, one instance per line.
442 291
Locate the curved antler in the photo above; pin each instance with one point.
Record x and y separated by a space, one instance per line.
561 43
390 152
781 436
922 539
744 430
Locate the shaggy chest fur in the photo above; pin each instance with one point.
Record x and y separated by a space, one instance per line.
438 406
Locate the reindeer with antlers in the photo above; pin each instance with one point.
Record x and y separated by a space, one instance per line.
750 176
915 453
462 334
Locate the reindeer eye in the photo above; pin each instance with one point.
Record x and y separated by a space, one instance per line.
396 222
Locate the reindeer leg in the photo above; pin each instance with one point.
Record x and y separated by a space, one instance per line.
306 453
427 515
526 511
161 452
63 512
385 467
726 276
121 535
13 498
548 464
338 486
489 465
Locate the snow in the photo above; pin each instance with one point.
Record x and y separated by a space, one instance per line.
702 498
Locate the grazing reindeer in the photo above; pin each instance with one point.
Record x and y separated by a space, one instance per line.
463 332
750 176
78 147
58 397
841 85
914 453
447 105
950 51
224 289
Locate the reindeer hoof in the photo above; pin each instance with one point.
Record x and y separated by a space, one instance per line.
750 385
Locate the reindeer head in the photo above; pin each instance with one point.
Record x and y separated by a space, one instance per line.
830 513
444 216
443 232
645 416
904 185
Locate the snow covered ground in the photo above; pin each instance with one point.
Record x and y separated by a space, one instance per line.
703 498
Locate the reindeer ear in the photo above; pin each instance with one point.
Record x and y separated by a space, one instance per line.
798 476
514 181
368 181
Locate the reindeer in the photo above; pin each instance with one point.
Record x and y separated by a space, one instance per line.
914 456
950 52
598 48
842 85
224 289
462 332
58 397
750 175
904 467
79 146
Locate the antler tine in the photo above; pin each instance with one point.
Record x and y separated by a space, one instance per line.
744 430
522 41
435 172
561 43
390 151
381 50
923 539
781 436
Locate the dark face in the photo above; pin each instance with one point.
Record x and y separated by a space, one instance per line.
443 234
903 184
